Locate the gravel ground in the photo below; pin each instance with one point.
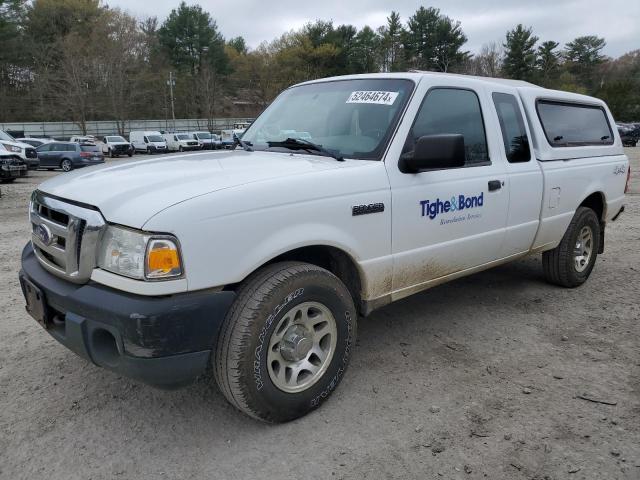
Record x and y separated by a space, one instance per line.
478 378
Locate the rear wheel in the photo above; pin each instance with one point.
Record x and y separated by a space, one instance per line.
570 263
286 341
66 165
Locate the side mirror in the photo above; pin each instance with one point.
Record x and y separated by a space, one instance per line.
445 150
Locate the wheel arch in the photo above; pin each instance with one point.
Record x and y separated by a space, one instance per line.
332 258
596 202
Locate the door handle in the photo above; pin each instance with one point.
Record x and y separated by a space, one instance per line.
494 185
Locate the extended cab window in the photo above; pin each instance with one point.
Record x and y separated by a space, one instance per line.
452 110
573 124
514 133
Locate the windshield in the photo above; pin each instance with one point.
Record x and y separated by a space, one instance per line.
155 138
203 136
183 137
5 136
115 139
353 118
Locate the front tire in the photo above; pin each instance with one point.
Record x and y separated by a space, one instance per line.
286 341
570 263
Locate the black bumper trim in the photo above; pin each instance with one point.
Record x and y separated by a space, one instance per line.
163 341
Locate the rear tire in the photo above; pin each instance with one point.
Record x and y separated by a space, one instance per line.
66 165
570 263
286 341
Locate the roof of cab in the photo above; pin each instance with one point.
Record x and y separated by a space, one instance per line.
526 88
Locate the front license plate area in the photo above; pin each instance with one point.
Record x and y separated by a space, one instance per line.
36 305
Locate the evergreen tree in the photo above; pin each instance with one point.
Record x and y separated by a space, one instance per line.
520 56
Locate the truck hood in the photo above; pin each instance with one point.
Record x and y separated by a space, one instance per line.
131 192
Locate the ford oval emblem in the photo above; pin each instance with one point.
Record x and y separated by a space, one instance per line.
44 234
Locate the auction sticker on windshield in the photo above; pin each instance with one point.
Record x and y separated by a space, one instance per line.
372 96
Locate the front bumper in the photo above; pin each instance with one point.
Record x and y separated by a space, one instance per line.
13 171
163 341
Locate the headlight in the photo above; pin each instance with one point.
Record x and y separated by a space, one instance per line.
139 255
12 148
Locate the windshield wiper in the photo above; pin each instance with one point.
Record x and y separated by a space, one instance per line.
300 144
238 141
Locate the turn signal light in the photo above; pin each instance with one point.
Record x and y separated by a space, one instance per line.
163 259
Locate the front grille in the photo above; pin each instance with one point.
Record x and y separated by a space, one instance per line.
30 153
192 143
65 236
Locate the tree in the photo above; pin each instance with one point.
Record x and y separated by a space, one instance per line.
582 56
189 35
520 56
391 44
432 41
488 63
548 62
449 40
12 59
366 51
118 44
239 45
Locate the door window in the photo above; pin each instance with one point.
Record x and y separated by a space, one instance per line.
452 110
44 147
514 133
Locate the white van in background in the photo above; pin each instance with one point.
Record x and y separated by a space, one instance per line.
147 141
180 142
209 141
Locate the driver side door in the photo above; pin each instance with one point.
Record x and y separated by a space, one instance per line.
447 220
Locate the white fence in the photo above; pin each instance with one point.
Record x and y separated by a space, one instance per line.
67 129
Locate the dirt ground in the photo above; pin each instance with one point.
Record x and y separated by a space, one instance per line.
479 378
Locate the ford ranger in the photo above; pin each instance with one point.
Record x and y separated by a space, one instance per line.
347 194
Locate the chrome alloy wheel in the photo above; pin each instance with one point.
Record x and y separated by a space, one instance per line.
583 249
301 347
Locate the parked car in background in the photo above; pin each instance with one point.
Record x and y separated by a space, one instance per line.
209 141
11 167
35 142
23 150
179 142
629 133
83 139
69 155
115 145
147 141
228 137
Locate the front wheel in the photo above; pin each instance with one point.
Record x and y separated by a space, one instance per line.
66 165
570 263
286 341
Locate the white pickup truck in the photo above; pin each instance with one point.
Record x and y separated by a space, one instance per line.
259 261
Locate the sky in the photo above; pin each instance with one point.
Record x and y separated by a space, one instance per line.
483 21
